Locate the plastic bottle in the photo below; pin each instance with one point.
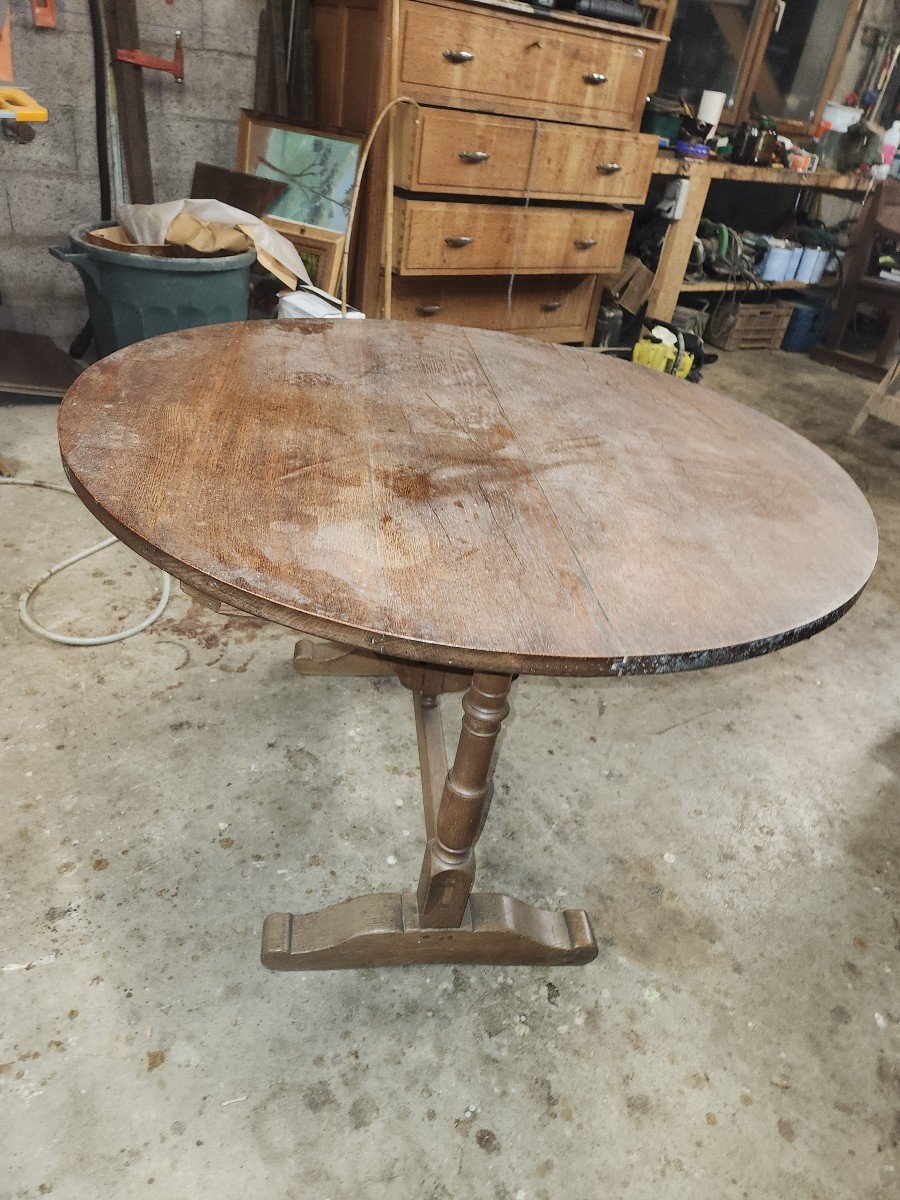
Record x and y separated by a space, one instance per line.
890 142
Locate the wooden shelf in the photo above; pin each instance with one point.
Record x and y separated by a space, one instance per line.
741 285
834 181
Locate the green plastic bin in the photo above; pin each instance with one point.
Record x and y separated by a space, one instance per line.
135 296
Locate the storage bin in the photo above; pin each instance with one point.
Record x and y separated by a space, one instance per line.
749 326
134 296
777 263
812 265
690 319
808 324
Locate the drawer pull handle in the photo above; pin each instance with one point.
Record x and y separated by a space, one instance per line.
459 241
585 243
609 168
594 77
551 305
474 156
458 56
428 310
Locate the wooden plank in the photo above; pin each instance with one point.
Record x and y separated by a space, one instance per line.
676 252
31 364
251 193
843 360
761 286
120 17
826 181
467 498
278 56
881 403
317 657
432 756
385 930
262 86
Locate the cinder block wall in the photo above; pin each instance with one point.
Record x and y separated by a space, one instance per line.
50 185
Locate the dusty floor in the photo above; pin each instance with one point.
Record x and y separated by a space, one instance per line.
734 835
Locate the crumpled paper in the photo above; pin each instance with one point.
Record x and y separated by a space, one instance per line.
210 228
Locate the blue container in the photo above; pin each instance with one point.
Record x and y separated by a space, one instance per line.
808 324
134 296
776 264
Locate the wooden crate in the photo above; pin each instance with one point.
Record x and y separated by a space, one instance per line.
748 326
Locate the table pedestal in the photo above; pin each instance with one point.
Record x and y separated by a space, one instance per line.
445 921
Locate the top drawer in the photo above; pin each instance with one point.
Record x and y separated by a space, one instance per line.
529 67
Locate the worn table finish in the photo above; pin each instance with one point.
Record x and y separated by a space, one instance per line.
471 506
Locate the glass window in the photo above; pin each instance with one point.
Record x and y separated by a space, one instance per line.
797 59
707 49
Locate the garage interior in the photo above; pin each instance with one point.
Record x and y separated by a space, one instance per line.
731 832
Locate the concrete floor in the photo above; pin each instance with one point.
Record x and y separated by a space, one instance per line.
733 834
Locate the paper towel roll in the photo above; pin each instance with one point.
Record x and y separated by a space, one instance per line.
711 105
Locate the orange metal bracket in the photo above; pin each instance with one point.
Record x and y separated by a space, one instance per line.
152 62
6 63
44 13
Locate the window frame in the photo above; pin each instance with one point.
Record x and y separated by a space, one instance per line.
752 58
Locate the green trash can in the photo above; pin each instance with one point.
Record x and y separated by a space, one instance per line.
135 296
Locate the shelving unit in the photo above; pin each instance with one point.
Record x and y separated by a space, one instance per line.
670 282
761 285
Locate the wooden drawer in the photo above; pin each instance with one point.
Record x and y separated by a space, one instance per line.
556 309
445 150
513 64
435 237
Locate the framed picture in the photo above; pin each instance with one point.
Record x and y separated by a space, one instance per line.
319 168
321 250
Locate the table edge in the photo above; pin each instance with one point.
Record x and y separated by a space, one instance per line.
433 653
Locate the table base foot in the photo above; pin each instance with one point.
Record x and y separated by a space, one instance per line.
383 930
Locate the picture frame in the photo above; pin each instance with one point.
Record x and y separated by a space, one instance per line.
322 250
319 167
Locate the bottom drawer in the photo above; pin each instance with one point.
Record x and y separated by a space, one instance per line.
555 308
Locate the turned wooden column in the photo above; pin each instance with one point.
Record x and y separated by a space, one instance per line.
448 870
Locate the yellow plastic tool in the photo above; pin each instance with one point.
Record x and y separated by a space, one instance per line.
661 357
16 104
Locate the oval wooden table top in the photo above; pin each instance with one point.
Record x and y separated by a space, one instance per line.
465 497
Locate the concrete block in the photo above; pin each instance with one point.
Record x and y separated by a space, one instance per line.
29 273
62 320
48 206
217 86
86 144
177 143
56 68
59 321
231 25
158 22
53 148
5 220
20 319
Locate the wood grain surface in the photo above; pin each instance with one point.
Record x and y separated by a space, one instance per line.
467 497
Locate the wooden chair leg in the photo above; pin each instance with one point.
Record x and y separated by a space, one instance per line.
887 348
881 403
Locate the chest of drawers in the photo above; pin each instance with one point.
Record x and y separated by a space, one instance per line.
516 160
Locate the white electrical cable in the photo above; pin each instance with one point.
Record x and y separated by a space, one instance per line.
62 638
